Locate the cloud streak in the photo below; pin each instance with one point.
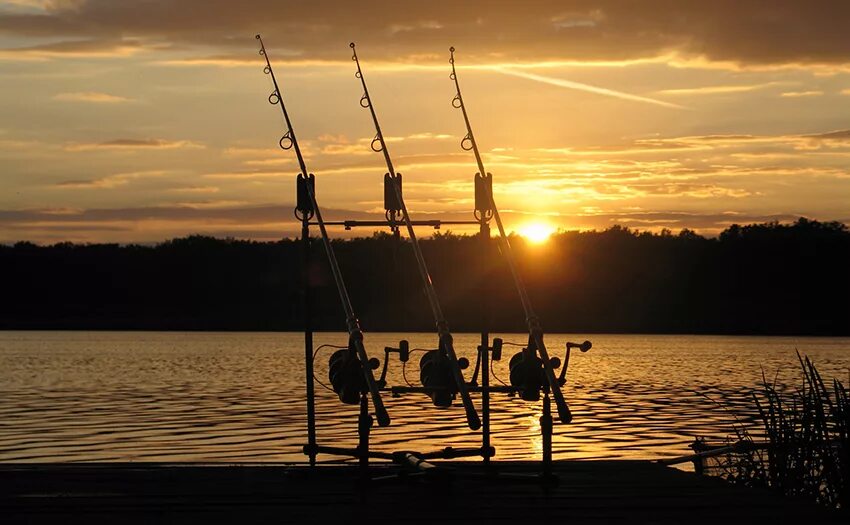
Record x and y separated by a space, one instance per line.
274 221
578 86
133 144
801 94
93 48
111 181
91 97
717 90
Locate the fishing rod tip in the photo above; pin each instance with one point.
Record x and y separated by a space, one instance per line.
257 36
351 45
451 49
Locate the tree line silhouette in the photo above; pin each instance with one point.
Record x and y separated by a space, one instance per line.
756 279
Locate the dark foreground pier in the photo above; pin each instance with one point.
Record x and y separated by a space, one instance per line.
587 492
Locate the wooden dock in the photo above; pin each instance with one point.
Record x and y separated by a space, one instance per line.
587 492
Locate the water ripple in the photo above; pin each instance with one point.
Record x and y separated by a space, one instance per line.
131 396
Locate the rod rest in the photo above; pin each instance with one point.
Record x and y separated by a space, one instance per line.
403 352
495 350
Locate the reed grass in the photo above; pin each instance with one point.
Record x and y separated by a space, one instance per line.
803 451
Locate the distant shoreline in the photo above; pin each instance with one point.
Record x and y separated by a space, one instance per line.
759 279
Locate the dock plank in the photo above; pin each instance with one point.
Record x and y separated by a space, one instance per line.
587 492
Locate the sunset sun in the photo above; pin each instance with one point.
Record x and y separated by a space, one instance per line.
536 232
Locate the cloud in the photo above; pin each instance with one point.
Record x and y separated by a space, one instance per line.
278 161
705 222
96 48
91 96
842 134
204 205
800 94
680 176
275 221
744 32
111 181
16 144
421 136
133 144
148 224
196 189
242 215
633 186
569 84
242 151
707 143
573 19
717 90
341 145
37 5
248 175
394 29
216 61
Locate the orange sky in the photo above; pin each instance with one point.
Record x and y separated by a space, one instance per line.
139 121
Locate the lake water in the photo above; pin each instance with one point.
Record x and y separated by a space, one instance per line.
232 397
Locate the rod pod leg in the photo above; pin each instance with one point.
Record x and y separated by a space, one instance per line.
310 449
484 349
364 425
546 433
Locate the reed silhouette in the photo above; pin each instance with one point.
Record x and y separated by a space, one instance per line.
802 449
761 279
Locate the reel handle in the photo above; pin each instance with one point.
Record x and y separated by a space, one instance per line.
472 418
563 409
380 411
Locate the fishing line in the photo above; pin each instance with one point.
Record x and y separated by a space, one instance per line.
535 332
316 379
447 351
404 365
493 373
306 181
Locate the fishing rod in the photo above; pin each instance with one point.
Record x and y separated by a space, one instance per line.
535 332
446 343
355 334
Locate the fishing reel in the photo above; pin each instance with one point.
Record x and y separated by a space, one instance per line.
527 372
345 371
436 376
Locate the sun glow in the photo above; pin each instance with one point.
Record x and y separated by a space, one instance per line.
537 232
